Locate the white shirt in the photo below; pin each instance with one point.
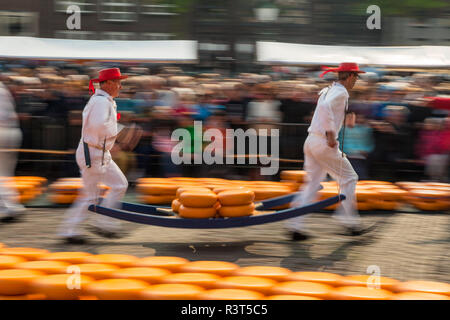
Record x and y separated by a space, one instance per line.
330 110
100 120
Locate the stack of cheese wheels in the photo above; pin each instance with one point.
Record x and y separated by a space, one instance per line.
28 187
197 204
176 202
66 190
25 190
388 196
267 190
427 196
156 191
236 203
297 176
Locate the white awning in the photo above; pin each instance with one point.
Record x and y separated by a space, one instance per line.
305 54
176 51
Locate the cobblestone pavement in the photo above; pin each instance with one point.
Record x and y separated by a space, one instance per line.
404 246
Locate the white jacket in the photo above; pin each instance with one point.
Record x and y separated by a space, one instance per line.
330 110
100 121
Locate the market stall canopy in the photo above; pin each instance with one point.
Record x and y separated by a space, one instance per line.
306 54
175 51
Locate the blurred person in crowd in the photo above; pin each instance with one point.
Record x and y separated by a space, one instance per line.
394 140
98 135
205 106
432 148
359 143
10 139
237 104
322 154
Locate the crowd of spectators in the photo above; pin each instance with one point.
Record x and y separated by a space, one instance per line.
400 132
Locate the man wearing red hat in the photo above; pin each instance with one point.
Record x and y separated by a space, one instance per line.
322 155
98 135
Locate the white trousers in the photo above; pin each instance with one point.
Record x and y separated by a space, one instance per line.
320 159
10 138
108 174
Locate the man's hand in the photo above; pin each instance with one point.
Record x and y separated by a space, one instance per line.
331 140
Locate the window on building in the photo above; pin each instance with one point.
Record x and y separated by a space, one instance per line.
75 34
156 36
152 7
86 6
18 23
118 10
116 35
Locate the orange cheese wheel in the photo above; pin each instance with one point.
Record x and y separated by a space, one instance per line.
116 289
198 200
7 262
237 211
364 195
259 284
360 293
120 260
17 281
312 276
290 297
387 205
231 294
236 197
69 257
419 296
228 188
172 264
24 297
176 205
220 268
189 212
204 280
149 275
62 198
180 190
172 291
274 273
157 189
374 182
61 286
431 206
27 253
156 199
294 175
391 194
423 286
303 288
292 185
266 193
369 281
2 245
327 193
97 271
48 267
430 194
364 205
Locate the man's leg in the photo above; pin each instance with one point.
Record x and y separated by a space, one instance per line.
315 175
116 180
78 211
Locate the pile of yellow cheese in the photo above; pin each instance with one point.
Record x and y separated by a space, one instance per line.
210 197
66 190
27 187
37 274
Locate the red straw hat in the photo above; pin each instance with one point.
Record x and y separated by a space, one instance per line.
345 66
106 74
